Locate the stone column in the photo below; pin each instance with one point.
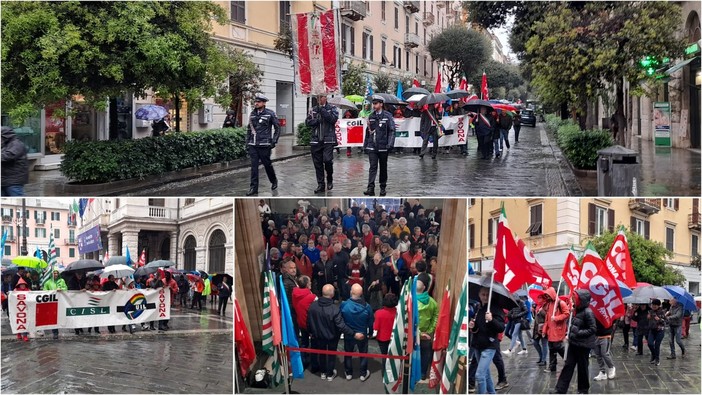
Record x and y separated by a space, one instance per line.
248 247
174 247
112 244
130 238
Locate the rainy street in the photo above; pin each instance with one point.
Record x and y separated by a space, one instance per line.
193 357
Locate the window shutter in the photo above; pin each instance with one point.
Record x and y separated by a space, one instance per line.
490 231
371 48
676 202
591 219
647 230
610 220
353 41
472 235
632 227
665 203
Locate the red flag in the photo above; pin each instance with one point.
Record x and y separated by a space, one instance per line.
484 88
619 257
510 269
441 339
538 273
606 298
275 311
437 88
415 83
243 341
106 257
571 271
315 43
142 258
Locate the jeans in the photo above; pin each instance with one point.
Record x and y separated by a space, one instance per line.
350 343
261 155
375 158
655 338
517 128
638 340
577 356
483 379
504 138
676 336
517 335
13 190
554 349
496 147
426 351
509 328
604 357
541 346
625 333
384 346
323 160
327 362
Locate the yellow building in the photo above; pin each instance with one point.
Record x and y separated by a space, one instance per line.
549 227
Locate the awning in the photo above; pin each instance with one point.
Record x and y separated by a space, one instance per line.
680 65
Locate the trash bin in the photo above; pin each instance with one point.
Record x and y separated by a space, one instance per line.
618 172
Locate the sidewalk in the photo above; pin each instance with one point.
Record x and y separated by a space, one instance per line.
52 182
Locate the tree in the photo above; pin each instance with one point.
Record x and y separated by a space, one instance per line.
465 50
52 51
284 41
383 82
489 14
647 256
506 76
353 82
695 262
243 82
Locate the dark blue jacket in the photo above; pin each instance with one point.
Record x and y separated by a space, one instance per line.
322 120
259 132
380 132
482 128
349 221
358 315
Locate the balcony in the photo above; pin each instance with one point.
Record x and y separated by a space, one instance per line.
428 18
72 224
411 6
146 213
353 10
40 221
645 206
69 242
411 40
6 219
693 221
10 239
440 4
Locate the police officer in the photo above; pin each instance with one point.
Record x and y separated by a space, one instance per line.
379 140
322 119
260 140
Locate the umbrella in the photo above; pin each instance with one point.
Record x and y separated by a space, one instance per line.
416 98
683 297
145 271
474 105
433 98
414 91
645 293
160 263
534 293
194 277
501 297
203 273
217 278
116 260
29 261
355 98
118 271
84 265
342 103
520 293
624 289
458 94
389 98
505 107
7 262
641 285
10 269
150 112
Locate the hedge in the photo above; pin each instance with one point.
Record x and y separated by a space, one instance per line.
304 134
579 146
103 161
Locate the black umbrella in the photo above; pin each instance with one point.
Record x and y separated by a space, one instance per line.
389 98
501 296
474 105
145 271
203 273
414 91
160 263
117 260
458 93
217 278
433 98
7 262
10 269
83 265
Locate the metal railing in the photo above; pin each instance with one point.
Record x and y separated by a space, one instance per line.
354 10
412 40
693 221
428 18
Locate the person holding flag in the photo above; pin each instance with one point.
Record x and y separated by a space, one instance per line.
557 313
486 327
429 126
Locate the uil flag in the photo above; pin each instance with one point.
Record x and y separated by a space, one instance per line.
484 88
142 258
606 302
571 270
315 49
509 264
619 259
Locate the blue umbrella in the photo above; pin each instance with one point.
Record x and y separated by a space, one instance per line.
150 112
682 296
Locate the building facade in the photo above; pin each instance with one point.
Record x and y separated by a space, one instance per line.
549 227
43 216
195 234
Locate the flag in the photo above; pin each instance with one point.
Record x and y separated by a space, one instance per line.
470 269
537 272
142 258
315 49
37 253
458 342
53 259
571 270
464 86
437 88
415 83
484 88
510 268
369 87
82 205
619 262
129 258
392 371
271 334
106 258
76 208
277 374
243 341
414 351
2 243
606 297
399 89
441 338
289 336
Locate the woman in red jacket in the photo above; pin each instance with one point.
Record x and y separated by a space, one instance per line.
384 322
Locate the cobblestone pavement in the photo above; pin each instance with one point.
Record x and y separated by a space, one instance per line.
195 356
529 168
634 374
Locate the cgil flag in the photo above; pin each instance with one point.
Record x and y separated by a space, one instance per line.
142 258
441 338
392 372
619 262
571 270
606 297
315 49
243 341
484 88
289 336
458 341
537 272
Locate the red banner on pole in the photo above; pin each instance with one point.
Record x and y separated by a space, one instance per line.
606 302
619 258
571 271
315 44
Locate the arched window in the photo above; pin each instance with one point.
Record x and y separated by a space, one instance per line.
189 252
217 252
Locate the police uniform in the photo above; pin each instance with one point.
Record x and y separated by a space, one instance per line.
322 120
260 139
378 141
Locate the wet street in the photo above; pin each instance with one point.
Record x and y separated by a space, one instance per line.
529 168
195 356
634 374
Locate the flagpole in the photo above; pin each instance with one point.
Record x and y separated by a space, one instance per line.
285 368
557 300
492 281
405 375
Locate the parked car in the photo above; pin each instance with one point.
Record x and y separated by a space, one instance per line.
528 117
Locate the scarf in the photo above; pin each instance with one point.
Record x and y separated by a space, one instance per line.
423 298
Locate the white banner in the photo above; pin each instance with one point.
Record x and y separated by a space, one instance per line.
350 132
38 310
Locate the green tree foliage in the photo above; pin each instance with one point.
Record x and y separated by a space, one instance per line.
499 75
647 256
466 50
54 50
384 83
490 14
244 81
353 82
284 41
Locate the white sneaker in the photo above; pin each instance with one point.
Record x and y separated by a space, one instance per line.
633 347
524 351
519 344
331 378
365 377
324 376
611 372
349 377
601 376
507 352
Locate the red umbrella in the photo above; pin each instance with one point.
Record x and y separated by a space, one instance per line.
193 277
642 284
505 107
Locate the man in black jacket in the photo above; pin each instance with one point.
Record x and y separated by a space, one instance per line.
322 119
429 126
581 339
261 139
484 127
485 327
378 142
289 271
341 262
325 323
15 168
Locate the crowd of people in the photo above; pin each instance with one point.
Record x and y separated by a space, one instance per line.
343 274
183 289
545 325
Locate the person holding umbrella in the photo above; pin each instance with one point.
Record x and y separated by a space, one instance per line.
322 119
378 142
224 292
656 331
675 316
77 282
429 125
484 129
485 327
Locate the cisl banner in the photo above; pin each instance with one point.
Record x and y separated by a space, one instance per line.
38 310
350 132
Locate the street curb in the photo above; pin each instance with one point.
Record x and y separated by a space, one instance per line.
566 170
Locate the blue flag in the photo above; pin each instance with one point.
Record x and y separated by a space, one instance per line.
2 243
399 89
38 253
289 337
268 259
470 269
369 88
129 258
416 373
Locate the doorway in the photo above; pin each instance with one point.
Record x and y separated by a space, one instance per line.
284 106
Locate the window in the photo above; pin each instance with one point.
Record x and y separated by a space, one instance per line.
57 234
407 59
416 64
19 214
72 235
671 204
284 15
157 202
189 253
536 220
471 233
670 238
425 64
416 27
71 252
217 252
348 39
397 57
58 252
40 216
367 46
6 213
238 9
492 230
40 233
407 23
8 250
188 202
382 10
26 232
600 219
55 216
10 231
695 245
641 227
397 19
383 45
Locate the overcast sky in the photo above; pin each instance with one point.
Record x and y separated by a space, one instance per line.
503 34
